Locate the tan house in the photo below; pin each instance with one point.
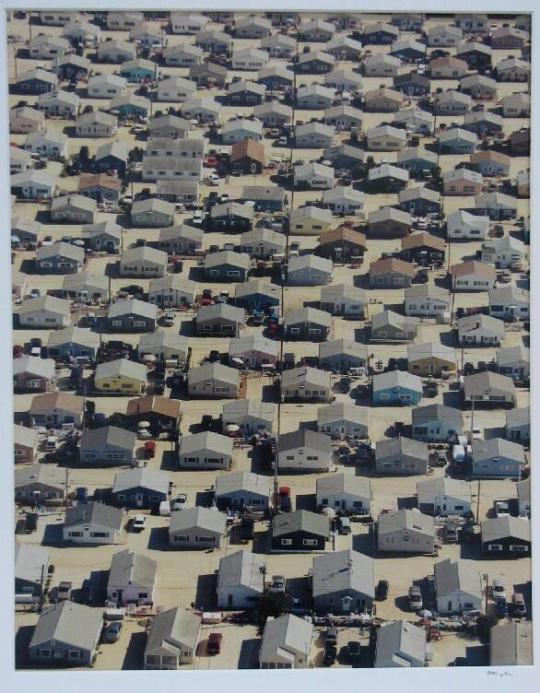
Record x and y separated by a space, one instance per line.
431 359
120 377
473 276
25 444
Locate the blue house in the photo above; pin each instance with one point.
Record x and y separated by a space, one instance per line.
417 161
420 201
140 488
112 156
457 141
257 294
378 34
36 81
130 106
412 84
138 70
396 388
408 51
72 342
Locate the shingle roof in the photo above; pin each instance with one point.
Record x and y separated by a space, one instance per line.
241 569
94 513
70 623
452 576
301 521
305 438
132 570
341 571
108 436
152 479
206 441
208 519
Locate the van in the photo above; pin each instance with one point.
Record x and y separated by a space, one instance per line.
344 525
165 508
51 444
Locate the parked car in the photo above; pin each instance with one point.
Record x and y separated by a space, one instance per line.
518 605
415 598
168 319
111 632
501 608
214 643
330 654
330 637
381 590
497 590
138 523
502 509
63 592
198 217
179 503
354 650
81 494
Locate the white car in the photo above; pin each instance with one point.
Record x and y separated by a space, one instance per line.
168 319
139 523
498 590
198 217
214 179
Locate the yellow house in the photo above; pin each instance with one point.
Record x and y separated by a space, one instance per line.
431 359
309 221
120 377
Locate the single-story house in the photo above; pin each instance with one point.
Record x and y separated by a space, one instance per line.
304 451
343 582
214 380
406 531
344 493
206 450
240 579
93 523
172 639
300 531
197 528
132 579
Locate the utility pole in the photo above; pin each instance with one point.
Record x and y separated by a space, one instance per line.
67 486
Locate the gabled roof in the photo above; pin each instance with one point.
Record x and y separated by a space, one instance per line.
242 481
343 346
391 379
398 520
495 448
172 632
285 636
135 306
208 519
122 368
206 441
301 521
304 437
49 401
39 473
309 314
344 483
305 374
437 412
66 622
131 569
241 569
214 371
387 318
398 643
151 479
94 514
108 436
391 447
431 350
443 486
453 576
340 571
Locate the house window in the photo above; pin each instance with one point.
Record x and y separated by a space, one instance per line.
100 535
309 542
495 547
518 548
74 654
286 542
44 653
75 534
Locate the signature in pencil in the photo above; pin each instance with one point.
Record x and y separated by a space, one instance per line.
500 674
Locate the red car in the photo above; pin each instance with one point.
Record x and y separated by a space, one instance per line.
149 449
214 643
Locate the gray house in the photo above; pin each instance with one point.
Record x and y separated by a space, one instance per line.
340 420
307 324
197 528
73 209
443 496
107 446
241 490
480 330
132 579
38 483
304 451
343 582
219 320
511 644
497 458
44 312
406 531
436 423
72 342
487 388
309 270
31 569
344 493
340 355
214 380
400 644
152 212
172 640
387 326
514 362
206 450
401 456
93 523
518 425
172 290
179 240
240 580
66 633
345 300
250 415
458 587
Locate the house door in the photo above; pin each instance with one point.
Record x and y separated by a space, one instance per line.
139 500
230 600
346 603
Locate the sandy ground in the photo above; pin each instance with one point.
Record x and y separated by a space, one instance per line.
188 577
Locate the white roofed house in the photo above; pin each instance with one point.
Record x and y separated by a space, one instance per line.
174 89
197 528
240 129
73 209
253 351
46 46
143 262
248 59
240 580
444 496
34 185
250 415
401 644
96 124
406 531
132 579
60 103
183 55
304 451
345 494
343 582
503 252
342 420
164 346
314 96
314 176
458 587
514 362
286 643
466 226
172 639
49 143
309 220
242 490
172 290
107 86
182 23
44 312
24 119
